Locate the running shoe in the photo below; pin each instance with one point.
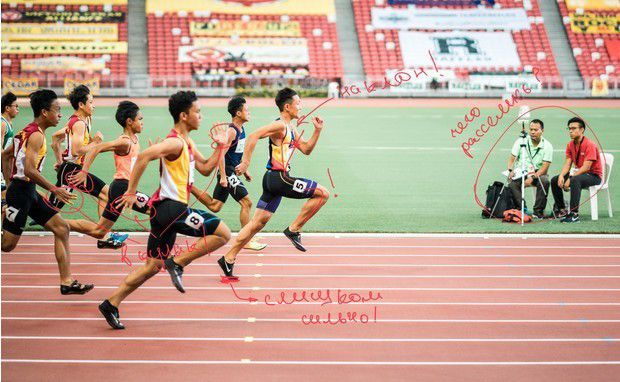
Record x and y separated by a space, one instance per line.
295 238
115 241
227 268
76 288
254 245
176 273
110 312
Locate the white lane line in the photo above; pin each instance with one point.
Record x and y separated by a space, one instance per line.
397 235
307 339
507 256
391 265
189 302
347 288
340 276
189 319
520 247
334 363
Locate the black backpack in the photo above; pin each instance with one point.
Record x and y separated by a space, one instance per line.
499 199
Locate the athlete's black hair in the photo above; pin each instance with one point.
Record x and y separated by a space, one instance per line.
126 110
180 102
41 100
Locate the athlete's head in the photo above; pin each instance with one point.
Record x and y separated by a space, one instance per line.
184 108
9 105
536 129
45 105
237 107
81 99
129 116
288 101
576 127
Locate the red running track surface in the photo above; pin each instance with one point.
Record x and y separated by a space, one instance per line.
466 309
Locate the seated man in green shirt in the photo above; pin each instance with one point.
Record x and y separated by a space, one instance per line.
537 158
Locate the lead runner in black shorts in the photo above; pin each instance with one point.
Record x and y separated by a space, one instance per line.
284 139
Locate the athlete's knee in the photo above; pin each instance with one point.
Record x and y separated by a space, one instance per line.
8 246
246 203
60 229
322 193
216 207
223 232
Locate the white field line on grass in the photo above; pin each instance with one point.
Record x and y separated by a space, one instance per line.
255 319
306 339
326 363
259 275
397 303
118 263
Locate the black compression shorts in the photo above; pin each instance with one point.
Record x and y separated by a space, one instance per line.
278 184
169 217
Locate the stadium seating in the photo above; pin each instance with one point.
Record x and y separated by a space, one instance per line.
381 51
592 57
116 65
168 31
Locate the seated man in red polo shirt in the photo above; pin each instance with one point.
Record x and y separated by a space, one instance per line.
584 155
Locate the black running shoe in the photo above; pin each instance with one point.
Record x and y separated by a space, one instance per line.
295 238
115 241
76 288
227 268
110 312
571 218
176 273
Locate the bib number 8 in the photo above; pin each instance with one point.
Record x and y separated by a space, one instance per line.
141 199
194 220
233 181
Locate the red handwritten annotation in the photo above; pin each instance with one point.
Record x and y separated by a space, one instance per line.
399 78
326 296
474 113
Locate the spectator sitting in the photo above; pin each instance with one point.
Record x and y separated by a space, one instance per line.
538 157
584 155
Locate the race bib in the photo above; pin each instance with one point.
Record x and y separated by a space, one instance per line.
233 181
194 220
11 214
141 199
300 186
240 146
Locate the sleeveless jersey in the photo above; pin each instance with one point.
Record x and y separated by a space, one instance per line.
6 140
124 163
67 155
20 143
176 176
279 155
235 151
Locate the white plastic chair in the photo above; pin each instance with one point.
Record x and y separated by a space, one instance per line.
607 160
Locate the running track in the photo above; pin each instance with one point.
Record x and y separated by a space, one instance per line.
467 309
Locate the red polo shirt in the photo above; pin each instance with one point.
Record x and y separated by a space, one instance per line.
581 152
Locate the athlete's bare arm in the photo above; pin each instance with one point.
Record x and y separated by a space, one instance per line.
274 130
57 138
78 147
35 142
169 148
120 146
306 147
